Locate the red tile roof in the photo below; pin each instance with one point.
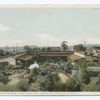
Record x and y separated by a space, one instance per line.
60 53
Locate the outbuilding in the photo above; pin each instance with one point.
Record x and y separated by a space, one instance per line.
24 60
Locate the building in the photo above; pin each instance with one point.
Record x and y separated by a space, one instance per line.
93 52
76 56
54 56
24 60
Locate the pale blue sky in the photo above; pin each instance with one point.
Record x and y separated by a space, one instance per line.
49 26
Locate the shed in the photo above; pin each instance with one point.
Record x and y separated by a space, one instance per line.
24 60
75 57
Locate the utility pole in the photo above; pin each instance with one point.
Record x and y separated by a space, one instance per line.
16 48
84 44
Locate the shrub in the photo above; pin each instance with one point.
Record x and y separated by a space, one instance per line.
35 87
4 79
68 86
94 85
24 85
34 73
7 87
49 83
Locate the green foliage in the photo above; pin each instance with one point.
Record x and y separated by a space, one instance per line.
94 85
10 88
43 49
64 46
68 86
82 76
83 63
27 48
48 49
79 47
49 83
96 47
3 78
45 64
36 86
53 83
34 73
1 52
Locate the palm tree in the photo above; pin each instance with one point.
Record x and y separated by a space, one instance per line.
64 45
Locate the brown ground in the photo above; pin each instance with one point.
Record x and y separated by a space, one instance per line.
63 77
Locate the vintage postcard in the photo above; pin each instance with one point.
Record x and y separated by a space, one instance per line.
50 50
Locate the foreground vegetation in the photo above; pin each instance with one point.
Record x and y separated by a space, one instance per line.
62 76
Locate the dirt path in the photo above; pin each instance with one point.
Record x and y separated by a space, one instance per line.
63 77
15 79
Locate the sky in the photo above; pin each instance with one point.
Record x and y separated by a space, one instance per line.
49 26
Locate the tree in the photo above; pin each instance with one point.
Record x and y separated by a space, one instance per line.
82 74
1 52
96 47
64 45
27 48
43 49
48 49
79 47
82 77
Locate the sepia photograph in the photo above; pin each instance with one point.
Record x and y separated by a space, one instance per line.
50 49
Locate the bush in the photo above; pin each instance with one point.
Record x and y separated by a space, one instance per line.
4 79
49 83
35 87
6 87
34 73
94 85
82 76
24 85
68 86
79 47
